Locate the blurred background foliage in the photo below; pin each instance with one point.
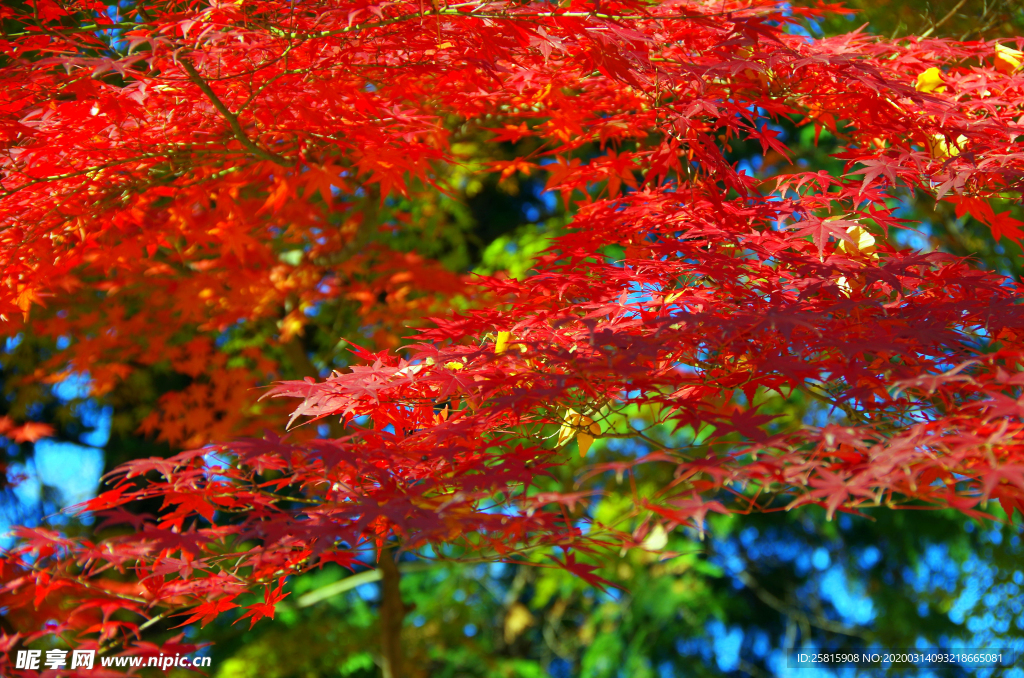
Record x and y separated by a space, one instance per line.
725 603
953 19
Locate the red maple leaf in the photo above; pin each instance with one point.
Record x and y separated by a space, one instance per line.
271 597
208 611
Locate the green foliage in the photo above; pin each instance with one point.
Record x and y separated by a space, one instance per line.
963 20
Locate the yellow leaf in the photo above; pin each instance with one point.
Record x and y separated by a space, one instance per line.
291 326
517 620
569 423
941 149
930 81
582 426
585 437
502 343
584 441
656 539
1008 60
863 242
454 365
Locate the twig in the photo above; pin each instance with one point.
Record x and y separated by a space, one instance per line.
111 645
799 615
944 19
348 583
230 117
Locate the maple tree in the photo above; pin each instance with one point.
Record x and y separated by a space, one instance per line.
174 173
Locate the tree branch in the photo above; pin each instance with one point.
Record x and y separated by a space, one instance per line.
230 117
772 601
944 19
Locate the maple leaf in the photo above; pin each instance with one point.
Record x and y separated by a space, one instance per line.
30 432
770 139
502 342
322 177
209 611
510 167
1008 60
266 609
941 148
510 133
930 80
1009 478
694 509
119 516
862 242
584 571
580 425
873 167
821 230
105 500
1003 225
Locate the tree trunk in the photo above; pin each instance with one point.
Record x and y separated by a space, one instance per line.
392 614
